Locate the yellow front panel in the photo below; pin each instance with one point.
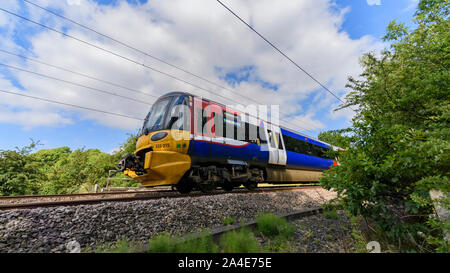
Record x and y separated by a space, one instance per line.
167 162
176 141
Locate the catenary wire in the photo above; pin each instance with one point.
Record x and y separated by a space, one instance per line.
77 73
71 105
281 52
74 83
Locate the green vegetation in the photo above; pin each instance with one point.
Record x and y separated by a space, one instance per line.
164 243
242 241
398 148
273 226
57 171
228 221
330 214
278 231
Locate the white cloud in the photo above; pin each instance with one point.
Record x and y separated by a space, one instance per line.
373 2
197 35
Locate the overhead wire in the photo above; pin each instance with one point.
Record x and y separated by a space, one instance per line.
74 83
71 105
77 73
281 52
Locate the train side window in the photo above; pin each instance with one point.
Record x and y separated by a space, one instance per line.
199 120
262 135
218 125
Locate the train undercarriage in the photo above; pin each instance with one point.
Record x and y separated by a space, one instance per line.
203 177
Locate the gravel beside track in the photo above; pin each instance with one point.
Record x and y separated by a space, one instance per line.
50 229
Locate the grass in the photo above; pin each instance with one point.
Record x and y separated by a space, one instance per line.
242 241
276 229
121 246
164 243
228 221
330 214
273 226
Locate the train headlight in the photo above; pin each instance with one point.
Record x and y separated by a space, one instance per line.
158 136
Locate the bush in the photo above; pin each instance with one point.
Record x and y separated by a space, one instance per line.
398 147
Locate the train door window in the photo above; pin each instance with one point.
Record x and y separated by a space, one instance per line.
278 139
262 135
271 139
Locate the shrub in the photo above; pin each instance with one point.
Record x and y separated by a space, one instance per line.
398 148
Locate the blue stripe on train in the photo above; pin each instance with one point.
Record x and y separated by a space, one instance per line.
252 152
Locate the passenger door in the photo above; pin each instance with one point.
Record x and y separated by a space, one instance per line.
275 145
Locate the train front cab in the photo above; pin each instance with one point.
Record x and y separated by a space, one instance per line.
162 152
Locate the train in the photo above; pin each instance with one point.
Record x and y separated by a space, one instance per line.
192 143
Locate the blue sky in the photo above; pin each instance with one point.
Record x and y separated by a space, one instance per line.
78 130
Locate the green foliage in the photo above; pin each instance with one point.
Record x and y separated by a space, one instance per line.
121 246
203 244
242 241
57 171
228 221
165 243
340 138
330 214
18 175
399 148
273 226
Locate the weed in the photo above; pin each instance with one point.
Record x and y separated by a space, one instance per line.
270 225
228 221
242 241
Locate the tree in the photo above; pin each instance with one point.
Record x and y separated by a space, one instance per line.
400 148
17 175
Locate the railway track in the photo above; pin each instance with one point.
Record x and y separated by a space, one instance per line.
39 201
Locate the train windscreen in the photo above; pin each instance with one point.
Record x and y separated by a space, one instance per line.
158 118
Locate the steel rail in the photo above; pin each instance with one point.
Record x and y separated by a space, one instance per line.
141 196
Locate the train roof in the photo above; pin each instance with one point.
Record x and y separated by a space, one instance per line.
291 131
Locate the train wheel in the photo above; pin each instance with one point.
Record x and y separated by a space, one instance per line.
184 187
206 188
228 187
251 186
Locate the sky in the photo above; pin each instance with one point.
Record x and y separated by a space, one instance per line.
325 37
